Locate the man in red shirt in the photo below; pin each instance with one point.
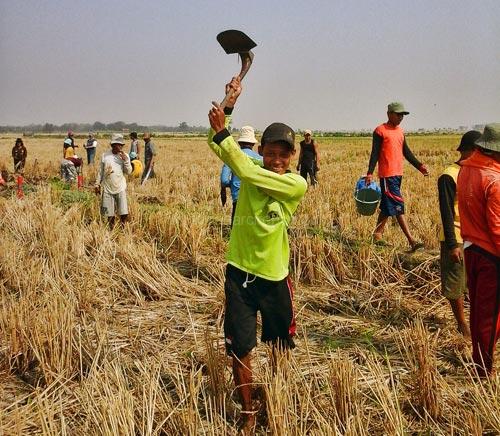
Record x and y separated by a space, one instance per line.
478 190
389 149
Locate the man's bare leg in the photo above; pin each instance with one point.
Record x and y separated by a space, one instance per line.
404 226
242 373
111 221
379 229
457 306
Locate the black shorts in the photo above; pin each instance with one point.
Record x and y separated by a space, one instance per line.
272 299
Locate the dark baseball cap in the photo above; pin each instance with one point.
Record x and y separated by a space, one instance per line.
468 140
278 132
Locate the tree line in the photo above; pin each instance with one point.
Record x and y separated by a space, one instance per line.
117 126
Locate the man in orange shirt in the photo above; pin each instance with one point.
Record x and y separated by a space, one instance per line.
389 149
478 190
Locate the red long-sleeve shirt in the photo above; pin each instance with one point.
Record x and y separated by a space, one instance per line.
478 189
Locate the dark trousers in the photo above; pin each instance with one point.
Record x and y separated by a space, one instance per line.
483 281
308 170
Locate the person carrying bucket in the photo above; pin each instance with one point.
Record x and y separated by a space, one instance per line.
389 149
452 268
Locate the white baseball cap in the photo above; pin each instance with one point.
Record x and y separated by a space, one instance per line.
247 134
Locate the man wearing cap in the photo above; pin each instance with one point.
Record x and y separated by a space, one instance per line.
228 179
91 147
308 158
111 177
389 149
149 157
453 284
257 274
478 190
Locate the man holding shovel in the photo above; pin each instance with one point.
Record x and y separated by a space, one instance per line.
258 255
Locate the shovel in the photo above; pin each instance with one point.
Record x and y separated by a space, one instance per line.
235 41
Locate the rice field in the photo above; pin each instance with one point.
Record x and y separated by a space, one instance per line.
119 332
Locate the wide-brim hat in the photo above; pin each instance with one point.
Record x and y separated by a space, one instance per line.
490 139
247 134
117 138
278 132
468 141
397 107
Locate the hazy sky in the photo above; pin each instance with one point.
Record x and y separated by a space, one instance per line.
327 65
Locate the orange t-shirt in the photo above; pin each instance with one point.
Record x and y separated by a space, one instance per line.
390 161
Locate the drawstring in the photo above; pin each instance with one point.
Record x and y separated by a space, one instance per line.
246 282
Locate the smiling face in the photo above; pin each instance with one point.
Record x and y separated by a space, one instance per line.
395 118
116 148
276 156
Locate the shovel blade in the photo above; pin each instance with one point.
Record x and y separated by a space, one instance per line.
235 41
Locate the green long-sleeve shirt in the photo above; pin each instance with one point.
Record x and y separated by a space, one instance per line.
259 239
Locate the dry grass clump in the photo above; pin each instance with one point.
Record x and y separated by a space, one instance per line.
119 331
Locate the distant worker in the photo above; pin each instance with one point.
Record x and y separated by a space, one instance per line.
19 154
111 178
149 157
69 141
453 284
135 145
308 158
91 147
389 147
228 179
478 190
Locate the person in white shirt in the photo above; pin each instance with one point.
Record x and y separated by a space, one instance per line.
111 178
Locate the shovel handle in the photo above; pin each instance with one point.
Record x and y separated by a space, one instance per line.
246 63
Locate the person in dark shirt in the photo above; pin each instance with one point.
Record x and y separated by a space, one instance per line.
453 284
149 157
19 154
308 158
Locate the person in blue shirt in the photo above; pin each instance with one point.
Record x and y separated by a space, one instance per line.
230 180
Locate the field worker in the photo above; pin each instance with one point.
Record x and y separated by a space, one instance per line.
111 177
451 259
70 165
258 253
68 148
135 145
68 141
389 149
91 147
478 189
149 157
228 179
19 154
308 158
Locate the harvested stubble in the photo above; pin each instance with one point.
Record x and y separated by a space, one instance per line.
120 332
